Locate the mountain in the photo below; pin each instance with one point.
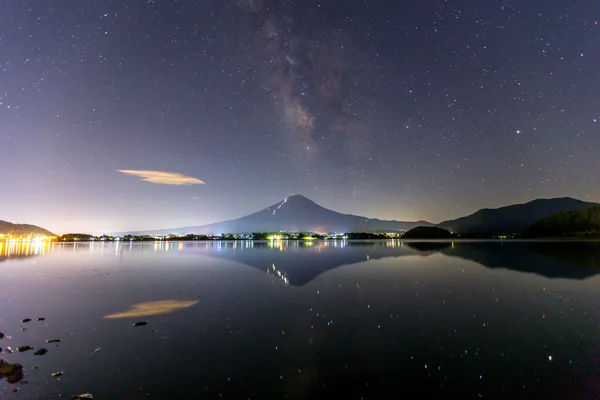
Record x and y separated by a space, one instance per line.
512 219
576 223
297 214
8 228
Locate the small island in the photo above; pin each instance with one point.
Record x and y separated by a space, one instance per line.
427 232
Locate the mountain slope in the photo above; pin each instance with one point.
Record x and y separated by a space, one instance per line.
512 219
584 222
297 214
8 228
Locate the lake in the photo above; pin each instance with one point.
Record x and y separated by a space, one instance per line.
323 320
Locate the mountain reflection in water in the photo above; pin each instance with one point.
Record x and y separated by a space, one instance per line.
550 259
570 260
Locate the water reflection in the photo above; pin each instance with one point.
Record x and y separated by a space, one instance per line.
383 319
153 308
571 260
18 248
429 246
308 259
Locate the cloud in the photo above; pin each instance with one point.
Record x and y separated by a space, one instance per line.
163 178
153 308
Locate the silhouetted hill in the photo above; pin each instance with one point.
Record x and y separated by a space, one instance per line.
579 223
8 228
512 219
297 214
427 232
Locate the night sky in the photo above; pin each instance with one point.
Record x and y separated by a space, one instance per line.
391 109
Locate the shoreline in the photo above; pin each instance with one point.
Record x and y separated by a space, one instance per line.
547 239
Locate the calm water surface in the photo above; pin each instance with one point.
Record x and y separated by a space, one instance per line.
351 320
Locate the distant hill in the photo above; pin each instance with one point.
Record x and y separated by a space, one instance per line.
8 228
579 223
512 219
427 232
296 214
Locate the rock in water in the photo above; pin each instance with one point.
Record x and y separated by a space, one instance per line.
26 320
57 374
40 352
82 396
24 348
140 323
12 372
41 319
54 341
1 335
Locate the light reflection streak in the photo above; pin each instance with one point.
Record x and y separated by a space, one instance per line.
279 274
22 248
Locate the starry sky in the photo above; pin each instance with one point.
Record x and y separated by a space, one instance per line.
142 114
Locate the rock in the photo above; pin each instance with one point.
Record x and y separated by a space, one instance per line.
40 352
23 329
26 320
140 323
57 374
54 341
97 350
82 396
12 372
1 335
24 348
41 319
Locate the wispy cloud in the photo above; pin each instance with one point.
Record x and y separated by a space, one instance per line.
163 178
153 308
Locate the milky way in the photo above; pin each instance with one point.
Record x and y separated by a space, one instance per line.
305 68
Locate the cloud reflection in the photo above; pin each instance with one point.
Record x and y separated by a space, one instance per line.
153 308
163 178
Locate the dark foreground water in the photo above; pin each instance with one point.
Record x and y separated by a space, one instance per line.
354 320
